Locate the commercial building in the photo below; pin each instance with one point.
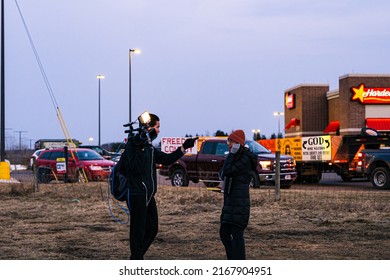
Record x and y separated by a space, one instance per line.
362 101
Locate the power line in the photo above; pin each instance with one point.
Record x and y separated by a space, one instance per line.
41 68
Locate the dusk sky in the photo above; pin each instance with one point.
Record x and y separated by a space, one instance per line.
205 65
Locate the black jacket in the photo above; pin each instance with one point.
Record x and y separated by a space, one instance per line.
237 169
140 166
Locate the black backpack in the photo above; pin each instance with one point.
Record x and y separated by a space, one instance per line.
119 187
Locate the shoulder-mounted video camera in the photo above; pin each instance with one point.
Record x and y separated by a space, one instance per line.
143 129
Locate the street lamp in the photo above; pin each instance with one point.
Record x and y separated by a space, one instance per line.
278 114
99 77
277 159
130 55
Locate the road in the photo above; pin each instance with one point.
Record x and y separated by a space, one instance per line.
330 181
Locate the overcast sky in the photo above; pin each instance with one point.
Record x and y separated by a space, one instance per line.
205 65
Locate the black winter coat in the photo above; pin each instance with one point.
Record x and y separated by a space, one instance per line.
236 205
140 166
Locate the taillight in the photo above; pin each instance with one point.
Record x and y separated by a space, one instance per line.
361 157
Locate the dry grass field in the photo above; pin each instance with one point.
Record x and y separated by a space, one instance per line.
72 222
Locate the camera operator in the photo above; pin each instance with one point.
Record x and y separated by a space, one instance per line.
140 164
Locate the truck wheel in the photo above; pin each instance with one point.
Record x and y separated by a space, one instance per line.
286 186
179 178
380 178
252 184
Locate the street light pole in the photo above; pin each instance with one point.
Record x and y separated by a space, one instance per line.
2 116
130 56
278 114
277 154
99 77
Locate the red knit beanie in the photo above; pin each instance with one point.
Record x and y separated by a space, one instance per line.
238 136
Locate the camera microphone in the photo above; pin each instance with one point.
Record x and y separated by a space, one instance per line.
128 124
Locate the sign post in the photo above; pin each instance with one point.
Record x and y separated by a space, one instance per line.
277 171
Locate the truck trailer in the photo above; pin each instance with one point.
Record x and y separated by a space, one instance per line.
326 153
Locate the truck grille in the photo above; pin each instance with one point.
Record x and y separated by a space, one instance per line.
286 165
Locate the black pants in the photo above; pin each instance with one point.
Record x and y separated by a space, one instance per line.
232 238
143 225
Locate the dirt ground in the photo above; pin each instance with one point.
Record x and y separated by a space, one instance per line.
72 221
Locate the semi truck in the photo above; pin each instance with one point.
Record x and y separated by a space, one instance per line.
326 153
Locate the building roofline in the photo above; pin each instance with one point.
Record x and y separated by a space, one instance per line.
306 85
363 75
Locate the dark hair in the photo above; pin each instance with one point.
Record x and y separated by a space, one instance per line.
153 119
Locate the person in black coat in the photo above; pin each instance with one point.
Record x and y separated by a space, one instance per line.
140 168
236 173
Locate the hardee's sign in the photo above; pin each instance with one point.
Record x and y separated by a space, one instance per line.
371 95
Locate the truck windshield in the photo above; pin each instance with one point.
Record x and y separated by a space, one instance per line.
256 147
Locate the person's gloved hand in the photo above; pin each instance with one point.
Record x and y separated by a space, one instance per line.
189 143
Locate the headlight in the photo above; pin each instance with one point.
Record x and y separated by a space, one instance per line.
95 167
265 164
291 162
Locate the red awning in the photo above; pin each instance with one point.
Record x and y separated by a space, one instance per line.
378 123
292 123
332 127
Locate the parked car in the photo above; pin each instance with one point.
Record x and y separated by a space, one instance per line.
103 152
33 157
84 164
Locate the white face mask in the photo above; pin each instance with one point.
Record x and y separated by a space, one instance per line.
235 148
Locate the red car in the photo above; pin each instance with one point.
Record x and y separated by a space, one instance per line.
84 165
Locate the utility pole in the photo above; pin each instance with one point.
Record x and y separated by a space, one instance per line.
99 77
2 98
20 137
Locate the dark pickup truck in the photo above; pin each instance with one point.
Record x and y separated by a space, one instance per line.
207 163
375 164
